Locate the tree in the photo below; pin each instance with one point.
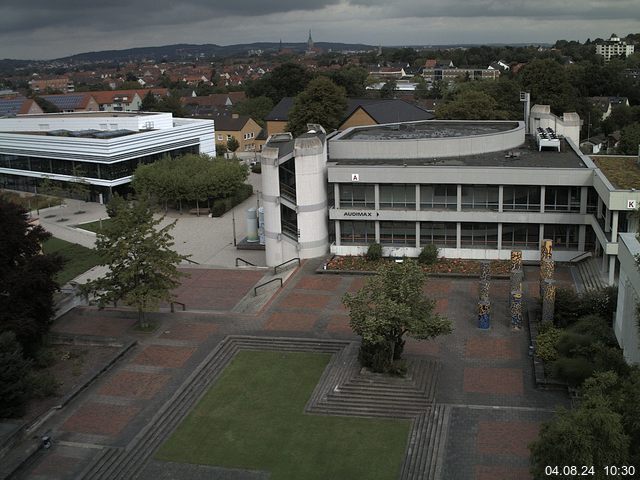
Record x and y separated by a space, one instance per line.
256 108
391 305
14 372
233 144
422 90
470 105
143 267
389 89
353 79
630 139
286 80
548 82
149 102
592 434
321 102
27 280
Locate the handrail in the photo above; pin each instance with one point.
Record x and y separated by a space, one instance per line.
243 260
583 254
184 307
255 290
191 261
296 259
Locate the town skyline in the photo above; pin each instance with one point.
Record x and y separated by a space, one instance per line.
41 31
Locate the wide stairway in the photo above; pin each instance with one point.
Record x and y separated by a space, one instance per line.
589 273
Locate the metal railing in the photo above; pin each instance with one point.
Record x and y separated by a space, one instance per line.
238 259
275 269
184 306
288 192
255 290
191 261
580 257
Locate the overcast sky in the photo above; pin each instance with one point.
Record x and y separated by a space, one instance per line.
44 29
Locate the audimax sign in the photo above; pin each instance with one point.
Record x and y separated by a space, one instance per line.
362 213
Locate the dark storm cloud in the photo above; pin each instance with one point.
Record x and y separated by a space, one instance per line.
539 9
20 16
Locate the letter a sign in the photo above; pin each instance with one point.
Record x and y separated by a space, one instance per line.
355 177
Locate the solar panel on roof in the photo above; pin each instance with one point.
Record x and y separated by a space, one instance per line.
11 106
66 102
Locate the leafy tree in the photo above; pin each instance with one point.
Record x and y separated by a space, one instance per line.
46 105
14 372
256 108
149 102
630 139
143 267
549 84
471 105
353 79
27 280
422 90
391 305
321 102
286 80
171 103
389 89
233 144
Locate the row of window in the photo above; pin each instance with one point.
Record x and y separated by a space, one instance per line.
111 171
474 197
444 234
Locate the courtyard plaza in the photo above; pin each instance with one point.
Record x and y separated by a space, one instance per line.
485 390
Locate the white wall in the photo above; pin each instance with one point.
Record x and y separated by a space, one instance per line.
626 322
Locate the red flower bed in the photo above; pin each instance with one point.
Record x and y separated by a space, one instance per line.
444 265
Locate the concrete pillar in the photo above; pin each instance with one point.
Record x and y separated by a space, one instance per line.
500 202
607 221
582 235
338 233
417 234
418 197
458 235
614 226
459 199
543 190
599 209
500 235
603 267
612 270
584 193
376 195
377 231
336 195
541 236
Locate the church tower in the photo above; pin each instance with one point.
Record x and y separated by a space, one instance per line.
310 43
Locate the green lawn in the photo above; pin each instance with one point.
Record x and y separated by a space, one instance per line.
253 418
94 226
79 259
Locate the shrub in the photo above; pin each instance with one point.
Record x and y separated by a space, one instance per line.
572 344
596 327
547 343
218 208
428 255
567 307
374 252
43 384
601 302
14 371
574 371
256 168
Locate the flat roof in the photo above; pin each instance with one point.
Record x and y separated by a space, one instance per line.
524 156
428 129
92 114
622 172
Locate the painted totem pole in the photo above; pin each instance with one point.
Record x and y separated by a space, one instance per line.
515 298
484 305
547 284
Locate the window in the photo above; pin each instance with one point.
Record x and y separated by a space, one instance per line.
592 201
565 237
440 197
479 197
400 196
354 195
357 233
521 198
439 234
398 233
516 235
479 235
562 199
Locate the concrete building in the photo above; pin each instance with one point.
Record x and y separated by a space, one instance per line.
476 189
626 324
102 148
614 47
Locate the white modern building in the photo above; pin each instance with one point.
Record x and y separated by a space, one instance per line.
475 189
614 47
627 322
103 148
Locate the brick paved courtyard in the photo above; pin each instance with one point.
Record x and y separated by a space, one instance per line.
486 376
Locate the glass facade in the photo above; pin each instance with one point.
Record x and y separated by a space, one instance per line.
439 234
565 237
360 196
479 235
439 197
480 197
520 235
289 220
402 234
521 199
357 233
399 196
562 199
103 171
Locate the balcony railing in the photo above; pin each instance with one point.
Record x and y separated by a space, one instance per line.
288 192
290 229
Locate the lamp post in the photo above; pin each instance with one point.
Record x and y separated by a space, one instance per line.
233 224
